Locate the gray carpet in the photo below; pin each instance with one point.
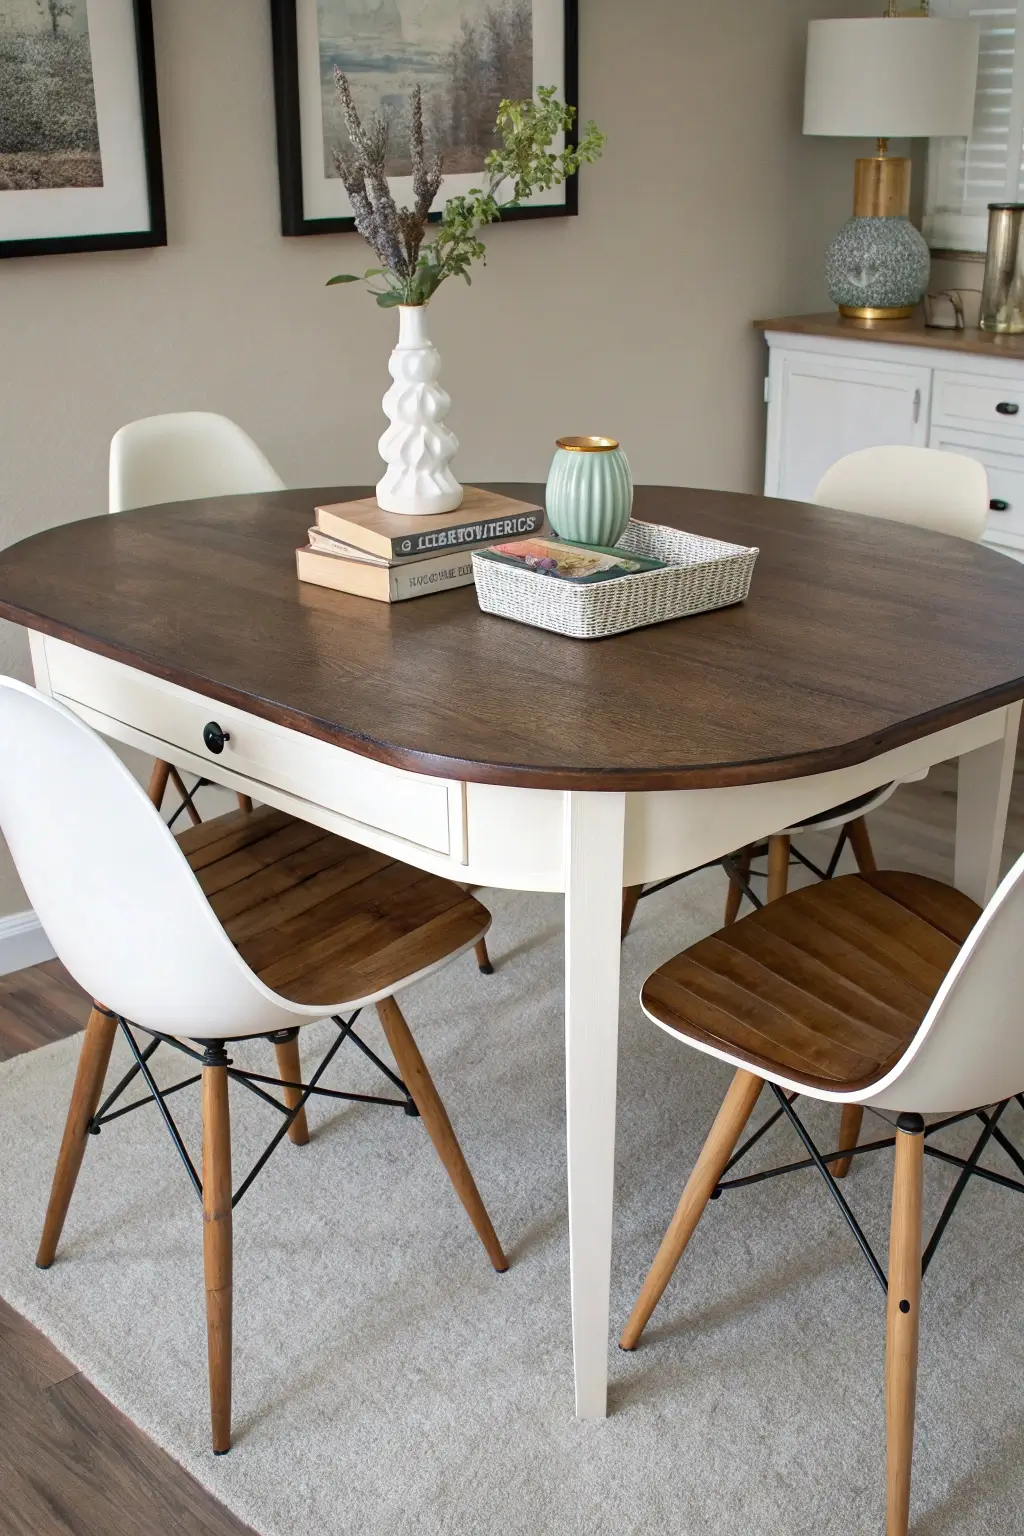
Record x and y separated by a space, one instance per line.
387 1380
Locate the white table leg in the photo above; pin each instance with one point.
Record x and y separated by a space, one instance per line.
984 778
594 831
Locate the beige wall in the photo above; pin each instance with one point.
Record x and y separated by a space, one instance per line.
709 209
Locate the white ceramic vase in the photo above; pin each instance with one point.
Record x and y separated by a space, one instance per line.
417 447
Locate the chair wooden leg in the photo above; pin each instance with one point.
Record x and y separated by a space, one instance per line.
85 1097
778 866
158 782
179 784
483 959
849 1135
289 1067
630 897
217 1243
734 895
743 1094
428 1101
902 1309
244 802
860 841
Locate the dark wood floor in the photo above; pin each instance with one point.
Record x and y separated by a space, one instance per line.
38 1006
70 1464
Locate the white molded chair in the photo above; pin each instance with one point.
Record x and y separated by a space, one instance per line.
181 457
923 487
251 924
888 991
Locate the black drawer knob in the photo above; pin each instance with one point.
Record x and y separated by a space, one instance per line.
215 737
996 505
1007 407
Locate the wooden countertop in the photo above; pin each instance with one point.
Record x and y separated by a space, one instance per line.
858 635
907 333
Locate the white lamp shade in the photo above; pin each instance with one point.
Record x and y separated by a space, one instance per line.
891 78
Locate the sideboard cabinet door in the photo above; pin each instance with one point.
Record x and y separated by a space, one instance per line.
821 408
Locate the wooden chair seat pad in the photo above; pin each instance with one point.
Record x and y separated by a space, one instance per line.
825 986
321 919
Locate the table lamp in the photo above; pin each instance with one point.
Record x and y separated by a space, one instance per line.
886 77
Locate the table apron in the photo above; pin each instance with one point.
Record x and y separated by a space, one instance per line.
478 834
679 829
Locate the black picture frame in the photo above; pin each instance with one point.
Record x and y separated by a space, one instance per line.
284 32
130 239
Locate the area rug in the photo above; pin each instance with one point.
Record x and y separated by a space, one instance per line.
386 1380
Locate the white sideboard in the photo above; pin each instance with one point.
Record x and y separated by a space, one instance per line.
831 392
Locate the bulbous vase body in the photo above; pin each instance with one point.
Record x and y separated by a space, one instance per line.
417 447
880 264
589 493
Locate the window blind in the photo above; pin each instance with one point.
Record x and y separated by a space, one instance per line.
965 175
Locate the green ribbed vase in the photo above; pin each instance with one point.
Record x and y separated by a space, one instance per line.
589 492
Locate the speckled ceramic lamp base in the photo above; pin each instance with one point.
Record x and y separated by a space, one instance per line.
878 265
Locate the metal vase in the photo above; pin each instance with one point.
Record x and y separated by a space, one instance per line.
1002 294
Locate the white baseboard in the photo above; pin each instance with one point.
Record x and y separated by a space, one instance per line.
22 942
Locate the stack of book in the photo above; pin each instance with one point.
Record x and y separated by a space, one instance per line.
355 547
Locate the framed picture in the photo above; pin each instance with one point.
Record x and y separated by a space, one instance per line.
465 54
79 133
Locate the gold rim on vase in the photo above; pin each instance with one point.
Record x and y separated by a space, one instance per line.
587 444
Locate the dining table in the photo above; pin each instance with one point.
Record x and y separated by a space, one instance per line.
501 755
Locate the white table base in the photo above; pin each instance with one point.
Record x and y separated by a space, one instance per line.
587 844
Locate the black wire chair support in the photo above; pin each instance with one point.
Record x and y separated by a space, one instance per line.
969 1166
729 864
213 1054
188 801
796 856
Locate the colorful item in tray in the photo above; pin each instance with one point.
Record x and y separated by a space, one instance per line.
577 563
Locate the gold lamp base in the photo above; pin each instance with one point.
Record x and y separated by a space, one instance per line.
878 254
868 316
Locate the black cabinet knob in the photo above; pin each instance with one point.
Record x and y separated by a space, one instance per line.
996 505
215 737
1007 407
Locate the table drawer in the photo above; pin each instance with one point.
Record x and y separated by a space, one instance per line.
408 805
971 400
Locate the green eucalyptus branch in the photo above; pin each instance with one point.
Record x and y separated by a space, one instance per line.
522 165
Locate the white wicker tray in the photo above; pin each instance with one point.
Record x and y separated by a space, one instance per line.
702 574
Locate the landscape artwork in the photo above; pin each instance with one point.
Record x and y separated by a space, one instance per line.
466 55
48 130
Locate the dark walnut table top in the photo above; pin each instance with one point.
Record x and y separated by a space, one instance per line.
858 635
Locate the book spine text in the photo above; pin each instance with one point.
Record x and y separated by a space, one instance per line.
417 581
483 532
